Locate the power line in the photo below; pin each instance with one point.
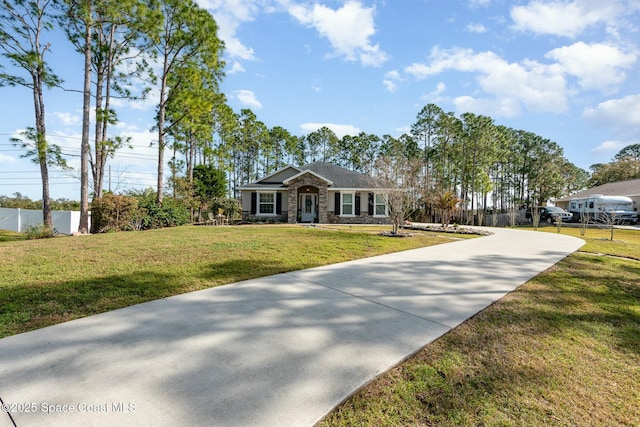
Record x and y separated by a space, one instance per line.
34 171
36 184
133 156
123 171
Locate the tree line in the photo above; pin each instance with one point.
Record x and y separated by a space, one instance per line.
624 166
131 47
483 163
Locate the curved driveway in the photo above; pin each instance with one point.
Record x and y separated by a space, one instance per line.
277 351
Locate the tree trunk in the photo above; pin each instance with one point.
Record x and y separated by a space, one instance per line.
106 115
161 133
99 137
86 118
41 147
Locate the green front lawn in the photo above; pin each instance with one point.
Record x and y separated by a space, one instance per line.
49 281
562 350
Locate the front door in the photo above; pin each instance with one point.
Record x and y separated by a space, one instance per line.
308 207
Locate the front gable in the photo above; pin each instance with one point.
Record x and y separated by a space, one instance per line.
279 176
305 175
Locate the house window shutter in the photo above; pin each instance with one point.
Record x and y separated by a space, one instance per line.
278 203
337 200
357 203
371 203
254 203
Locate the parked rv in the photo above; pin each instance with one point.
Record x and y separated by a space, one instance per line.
600 208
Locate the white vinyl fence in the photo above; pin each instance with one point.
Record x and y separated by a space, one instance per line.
64 222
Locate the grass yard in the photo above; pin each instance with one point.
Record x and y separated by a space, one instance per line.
10 236
562 350
49 281
625 243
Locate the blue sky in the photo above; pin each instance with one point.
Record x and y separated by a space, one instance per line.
565 70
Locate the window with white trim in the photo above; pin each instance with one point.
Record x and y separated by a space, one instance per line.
347 203
266 203
380 207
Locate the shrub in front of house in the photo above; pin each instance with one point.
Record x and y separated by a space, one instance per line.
171 213
112 212
39 231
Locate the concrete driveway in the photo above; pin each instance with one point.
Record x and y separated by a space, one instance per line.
277 351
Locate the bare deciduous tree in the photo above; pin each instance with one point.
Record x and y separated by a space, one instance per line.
398 177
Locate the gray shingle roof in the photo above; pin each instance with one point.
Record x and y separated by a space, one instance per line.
630 188
341 177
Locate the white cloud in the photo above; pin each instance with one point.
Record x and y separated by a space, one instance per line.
622 113
65 118
504 107
596 66
248 98
143 153
434 96
149 103
348 29
610 147
403 129
229 14
391 79
476 28
339 130
7 159
137 86
69 142
562 18
236 67
511 86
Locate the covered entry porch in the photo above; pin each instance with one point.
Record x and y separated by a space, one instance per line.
308 206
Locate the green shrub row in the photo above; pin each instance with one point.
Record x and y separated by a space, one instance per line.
136 211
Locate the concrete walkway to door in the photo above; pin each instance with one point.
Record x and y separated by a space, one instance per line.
277 351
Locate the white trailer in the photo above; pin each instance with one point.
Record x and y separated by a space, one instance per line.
600 208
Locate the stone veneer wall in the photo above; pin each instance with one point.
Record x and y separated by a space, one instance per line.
248 217
363 218
311 180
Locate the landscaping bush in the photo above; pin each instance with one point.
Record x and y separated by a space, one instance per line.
170 214
229 207
113 213
39 231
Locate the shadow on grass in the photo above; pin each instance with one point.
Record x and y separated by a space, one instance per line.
10 236
32 307
237 270
607 297
27 308
562 350
258 351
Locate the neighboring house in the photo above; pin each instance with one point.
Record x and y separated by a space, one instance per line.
315 193
630 188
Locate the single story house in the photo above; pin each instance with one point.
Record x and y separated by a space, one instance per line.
629 188
315 193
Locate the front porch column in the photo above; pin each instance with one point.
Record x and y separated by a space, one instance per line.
292 204
323 194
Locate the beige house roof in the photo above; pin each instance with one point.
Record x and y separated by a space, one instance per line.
630 188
